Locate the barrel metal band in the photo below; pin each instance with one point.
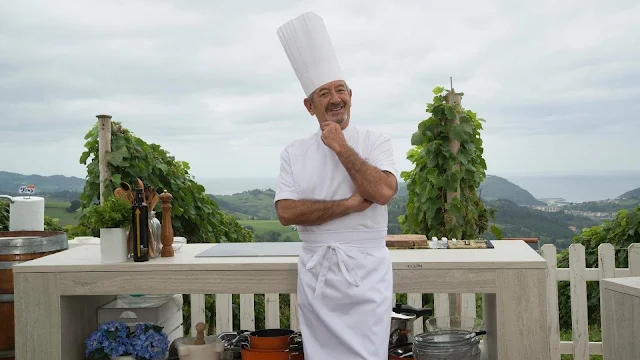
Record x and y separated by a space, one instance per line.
9 264
6 298
33 245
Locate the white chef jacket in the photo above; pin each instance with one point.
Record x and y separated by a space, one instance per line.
345 280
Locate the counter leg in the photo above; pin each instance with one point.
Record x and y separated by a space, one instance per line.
37 316
491 326
79 318
521 302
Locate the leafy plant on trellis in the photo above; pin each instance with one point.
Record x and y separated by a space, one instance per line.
442 187
194 214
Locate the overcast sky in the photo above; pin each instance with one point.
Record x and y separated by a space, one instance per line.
557 81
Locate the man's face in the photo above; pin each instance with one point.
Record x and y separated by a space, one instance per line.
331 102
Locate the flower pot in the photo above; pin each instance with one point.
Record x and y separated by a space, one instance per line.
122 357
113 245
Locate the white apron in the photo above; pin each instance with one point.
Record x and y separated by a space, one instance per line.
345 279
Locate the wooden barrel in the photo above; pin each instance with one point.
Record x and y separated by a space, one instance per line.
17 247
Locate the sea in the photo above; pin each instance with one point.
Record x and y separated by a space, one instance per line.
571 187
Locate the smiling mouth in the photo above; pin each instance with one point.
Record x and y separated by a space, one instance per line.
336 109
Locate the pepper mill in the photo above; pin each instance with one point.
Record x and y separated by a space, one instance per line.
166 234
200 336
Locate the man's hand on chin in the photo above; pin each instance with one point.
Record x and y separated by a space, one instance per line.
333 137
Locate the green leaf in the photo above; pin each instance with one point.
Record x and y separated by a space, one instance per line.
117 157
117 179
416 139
438 90
451 114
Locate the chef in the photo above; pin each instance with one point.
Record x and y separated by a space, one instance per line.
335 186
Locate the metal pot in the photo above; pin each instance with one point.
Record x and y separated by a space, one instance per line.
449 338
402 318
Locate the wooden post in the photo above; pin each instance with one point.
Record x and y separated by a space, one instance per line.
104 146
454 99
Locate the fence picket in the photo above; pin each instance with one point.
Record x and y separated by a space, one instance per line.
293 308
224 313
197 311
247 312
272 311
579 318
634 260
549 253
415 300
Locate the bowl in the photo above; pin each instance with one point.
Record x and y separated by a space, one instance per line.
178 241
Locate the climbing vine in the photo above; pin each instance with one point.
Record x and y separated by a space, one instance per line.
194 214
442 187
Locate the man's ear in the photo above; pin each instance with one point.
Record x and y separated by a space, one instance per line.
309 106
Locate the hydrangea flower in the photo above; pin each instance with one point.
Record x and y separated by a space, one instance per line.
111 338
146 342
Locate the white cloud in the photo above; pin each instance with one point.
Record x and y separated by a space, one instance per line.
557 82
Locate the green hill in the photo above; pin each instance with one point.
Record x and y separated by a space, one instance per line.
249 205
11 182
633 194
549 227
495 187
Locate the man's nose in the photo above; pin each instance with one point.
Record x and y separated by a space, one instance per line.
334 98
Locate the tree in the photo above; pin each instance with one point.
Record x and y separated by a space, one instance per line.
75 205
449 168
194 214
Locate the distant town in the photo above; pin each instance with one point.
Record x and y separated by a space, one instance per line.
556 205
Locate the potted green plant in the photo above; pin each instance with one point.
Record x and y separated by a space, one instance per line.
113 218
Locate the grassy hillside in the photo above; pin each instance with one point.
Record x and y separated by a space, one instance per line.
495 187
519 221
11 182
250 205
58 209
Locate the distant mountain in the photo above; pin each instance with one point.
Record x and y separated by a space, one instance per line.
633 194
495 187
11 182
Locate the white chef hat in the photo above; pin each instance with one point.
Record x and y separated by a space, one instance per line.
307 44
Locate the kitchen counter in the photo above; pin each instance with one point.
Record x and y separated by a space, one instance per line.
56 296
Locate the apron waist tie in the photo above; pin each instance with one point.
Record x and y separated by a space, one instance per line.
326 252
346 246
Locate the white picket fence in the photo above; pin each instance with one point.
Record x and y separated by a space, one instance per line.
577 274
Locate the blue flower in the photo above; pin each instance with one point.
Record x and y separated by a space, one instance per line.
111 338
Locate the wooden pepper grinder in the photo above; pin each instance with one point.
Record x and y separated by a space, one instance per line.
166 235
200 336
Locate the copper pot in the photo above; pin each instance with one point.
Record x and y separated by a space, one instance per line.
274 339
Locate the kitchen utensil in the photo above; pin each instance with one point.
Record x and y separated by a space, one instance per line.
401 352
449 337
199 348
272 339
402 318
